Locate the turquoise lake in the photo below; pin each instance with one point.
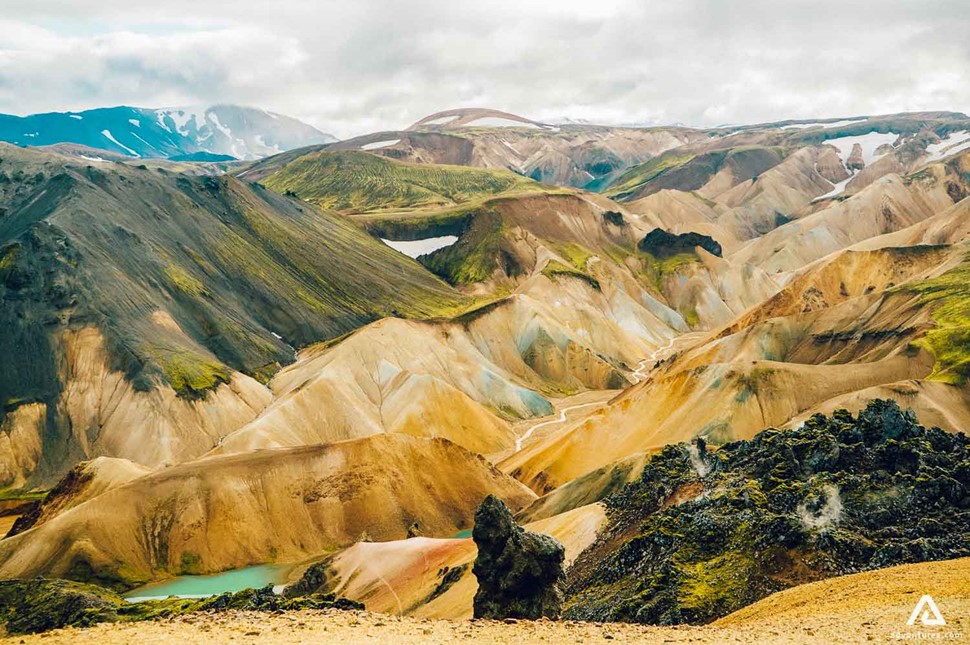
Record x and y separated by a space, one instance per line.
203 586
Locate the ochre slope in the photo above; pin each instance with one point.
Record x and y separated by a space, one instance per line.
271 505
869 606
841 328
133 297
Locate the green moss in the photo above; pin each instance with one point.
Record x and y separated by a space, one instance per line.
19 494
182 281
476 255
555 268
691 317
8 256
656 270
190 374
416 225
576 254
191 564
647 171
715 586
948 296
358 182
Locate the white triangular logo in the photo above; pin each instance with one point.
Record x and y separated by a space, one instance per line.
927 613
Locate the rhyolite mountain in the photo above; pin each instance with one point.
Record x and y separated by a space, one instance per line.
192 289
192 133
215 356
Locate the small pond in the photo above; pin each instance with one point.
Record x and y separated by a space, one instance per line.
203 586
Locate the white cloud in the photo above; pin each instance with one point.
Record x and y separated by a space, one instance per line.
351 67
40 70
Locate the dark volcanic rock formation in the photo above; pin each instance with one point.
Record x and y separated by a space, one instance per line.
702 534
661 243
520 573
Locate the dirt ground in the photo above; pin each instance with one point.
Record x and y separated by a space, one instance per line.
364 627
871 607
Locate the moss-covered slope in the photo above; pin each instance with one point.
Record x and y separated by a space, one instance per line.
186 279
702 534
358 182
684 170
948 296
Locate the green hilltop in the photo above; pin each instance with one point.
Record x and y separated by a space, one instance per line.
357 182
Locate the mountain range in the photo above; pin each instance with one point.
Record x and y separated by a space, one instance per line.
214 133
642 339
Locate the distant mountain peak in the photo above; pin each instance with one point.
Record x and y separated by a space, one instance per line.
225 130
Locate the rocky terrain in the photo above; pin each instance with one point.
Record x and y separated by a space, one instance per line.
860 608
702 534
520 573
325 360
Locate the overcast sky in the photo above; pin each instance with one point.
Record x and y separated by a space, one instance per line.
356 66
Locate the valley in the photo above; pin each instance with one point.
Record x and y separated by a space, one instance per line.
321 361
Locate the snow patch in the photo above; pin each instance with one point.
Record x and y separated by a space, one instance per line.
953 143
258 138
150 146
380 144
181 119
870 143
415 248
216 122
107 134
160 117
837 189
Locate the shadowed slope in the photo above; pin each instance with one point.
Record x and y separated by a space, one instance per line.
173 285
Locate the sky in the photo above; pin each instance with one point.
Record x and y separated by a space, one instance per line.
358 66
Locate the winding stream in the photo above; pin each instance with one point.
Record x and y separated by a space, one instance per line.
561 419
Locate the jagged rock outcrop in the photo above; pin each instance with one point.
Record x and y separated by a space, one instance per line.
704 533
661 243
520 573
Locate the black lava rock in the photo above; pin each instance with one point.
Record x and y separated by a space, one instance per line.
704 533
520 573
661 243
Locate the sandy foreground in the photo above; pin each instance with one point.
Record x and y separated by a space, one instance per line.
365 627
871 607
